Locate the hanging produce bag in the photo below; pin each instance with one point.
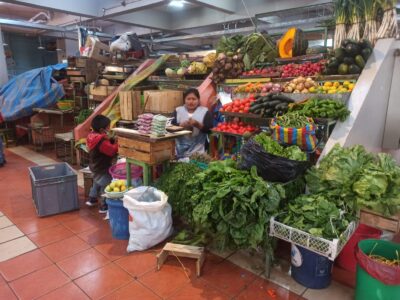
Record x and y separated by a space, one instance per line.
304 137
270 167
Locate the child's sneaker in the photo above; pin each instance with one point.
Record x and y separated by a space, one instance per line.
91 201
107 217
103 209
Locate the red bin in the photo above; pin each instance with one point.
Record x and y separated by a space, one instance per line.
347 259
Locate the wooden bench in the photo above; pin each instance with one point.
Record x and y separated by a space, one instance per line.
182 251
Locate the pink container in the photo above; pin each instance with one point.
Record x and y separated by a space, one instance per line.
118 171
347 259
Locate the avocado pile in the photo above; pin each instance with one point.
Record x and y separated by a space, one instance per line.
350 58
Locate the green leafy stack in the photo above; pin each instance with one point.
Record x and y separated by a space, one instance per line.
318 215
258 48
356 178
174 184
234 207
272 147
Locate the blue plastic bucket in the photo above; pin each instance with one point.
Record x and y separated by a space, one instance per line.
310 269
119 219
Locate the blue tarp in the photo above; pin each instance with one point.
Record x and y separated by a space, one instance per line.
33 89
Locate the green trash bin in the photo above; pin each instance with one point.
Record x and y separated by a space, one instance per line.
377 281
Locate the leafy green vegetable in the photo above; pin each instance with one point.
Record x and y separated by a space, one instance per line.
272 147
174 183
318 215
258 48
355 178
230 44
233 206
83 115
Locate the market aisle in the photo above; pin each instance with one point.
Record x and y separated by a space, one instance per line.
76 258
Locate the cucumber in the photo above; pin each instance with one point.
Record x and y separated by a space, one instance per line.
273 103
360 61
282 98
282 106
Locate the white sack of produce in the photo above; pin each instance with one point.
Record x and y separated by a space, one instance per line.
150 220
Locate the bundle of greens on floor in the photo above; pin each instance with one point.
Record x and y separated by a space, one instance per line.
233 207
174 184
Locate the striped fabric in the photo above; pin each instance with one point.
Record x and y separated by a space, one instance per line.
33 89
303 137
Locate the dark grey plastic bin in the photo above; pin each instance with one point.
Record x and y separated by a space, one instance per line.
54 189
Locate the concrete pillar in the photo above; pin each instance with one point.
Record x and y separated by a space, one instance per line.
3 63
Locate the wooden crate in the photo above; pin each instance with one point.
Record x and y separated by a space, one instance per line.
162 101
130 105
100 90
376 220
150 153
100 52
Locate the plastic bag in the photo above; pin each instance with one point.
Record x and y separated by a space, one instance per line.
150 220
270 167
389 275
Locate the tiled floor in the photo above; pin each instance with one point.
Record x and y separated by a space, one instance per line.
73 256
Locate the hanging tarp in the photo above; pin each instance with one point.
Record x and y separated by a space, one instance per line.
33 89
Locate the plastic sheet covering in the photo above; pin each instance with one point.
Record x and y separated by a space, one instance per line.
33 89
270 167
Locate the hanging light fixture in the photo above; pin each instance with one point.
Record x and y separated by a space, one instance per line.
40 44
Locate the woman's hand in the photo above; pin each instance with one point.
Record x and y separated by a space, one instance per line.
195 123
185 124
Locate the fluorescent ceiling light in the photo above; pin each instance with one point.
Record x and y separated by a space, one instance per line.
176 3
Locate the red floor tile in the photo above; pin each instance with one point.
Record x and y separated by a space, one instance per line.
97 236
82 263
198 290
166 281
135 290
20 216
114 249
69 216
226 276
138 263
50 235
65 248
79 225
24 264
36 225
103 281
6 293
39 283
68 292
262 289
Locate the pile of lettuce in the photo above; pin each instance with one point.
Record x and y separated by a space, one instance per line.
356 178
272 147
346 180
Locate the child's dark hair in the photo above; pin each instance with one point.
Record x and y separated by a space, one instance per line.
191 91
100 122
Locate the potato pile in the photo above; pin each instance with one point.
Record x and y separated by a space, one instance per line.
300 85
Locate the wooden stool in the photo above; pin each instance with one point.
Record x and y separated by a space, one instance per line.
182 251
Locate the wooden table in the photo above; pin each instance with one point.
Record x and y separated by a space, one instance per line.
146 150
58 112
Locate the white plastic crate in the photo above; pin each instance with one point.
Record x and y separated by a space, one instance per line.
321 246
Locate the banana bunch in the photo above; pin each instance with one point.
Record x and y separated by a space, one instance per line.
197 68
209 59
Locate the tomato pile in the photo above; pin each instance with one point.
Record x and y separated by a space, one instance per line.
306 69
239 105
235 127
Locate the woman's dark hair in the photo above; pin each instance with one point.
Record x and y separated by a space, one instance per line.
191 91
100 122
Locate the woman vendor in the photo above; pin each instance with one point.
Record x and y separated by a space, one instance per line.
192 117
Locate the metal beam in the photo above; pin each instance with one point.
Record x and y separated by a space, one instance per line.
110 10
89 8
241 30
149 19
27 24
225 6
